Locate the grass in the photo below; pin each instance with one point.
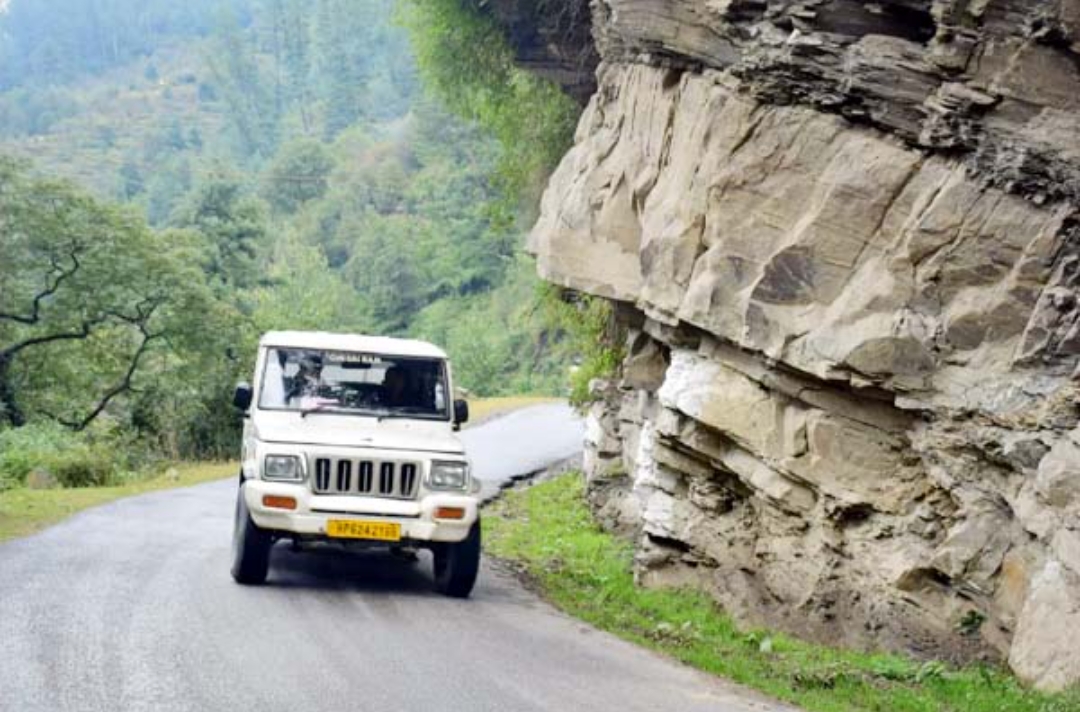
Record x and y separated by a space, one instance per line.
548 532
481 409
25 511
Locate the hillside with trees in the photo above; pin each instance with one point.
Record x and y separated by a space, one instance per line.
177 180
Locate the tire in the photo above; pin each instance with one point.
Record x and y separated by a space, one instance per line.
456 565
251 547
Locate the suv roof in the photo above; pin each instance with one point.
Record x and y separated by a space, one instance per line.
326 341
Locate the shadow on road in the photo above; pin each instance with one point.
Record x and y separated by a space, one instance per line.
331 569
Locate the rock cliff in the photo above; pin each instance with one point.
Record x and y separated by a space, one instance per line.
844 243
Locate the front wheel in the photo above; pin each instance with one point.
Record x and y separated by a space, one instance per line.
251 546
456 565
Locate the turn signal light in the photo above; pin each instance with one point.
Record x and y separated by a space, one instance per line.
271 500
449 513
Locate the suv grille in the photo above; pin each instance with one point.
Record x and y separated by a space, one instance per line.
366 477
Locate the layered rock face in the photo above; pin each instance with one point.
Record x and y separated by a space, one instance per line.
844 241
551 39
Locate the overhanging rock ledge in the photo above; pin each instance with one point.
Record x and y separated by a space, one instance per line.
845 245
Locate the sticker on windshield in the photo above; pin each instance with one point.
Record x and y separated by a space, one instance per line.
351 357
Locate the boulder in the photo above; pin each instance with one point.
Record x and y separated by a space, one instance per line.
1044 648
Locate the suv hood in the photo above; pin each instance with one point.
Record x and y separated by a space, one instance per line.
356 431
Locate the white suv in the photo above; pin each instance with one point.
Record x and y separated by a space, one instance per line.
352 439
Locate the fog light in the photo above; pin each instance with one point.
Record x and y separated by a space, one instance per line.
276 502
449 513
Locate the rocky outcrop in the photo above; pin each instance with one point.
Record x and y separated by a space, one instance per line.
845 244
551 38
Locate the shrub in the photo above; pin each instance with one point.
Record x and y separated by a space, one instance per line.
592 335
83 464
24 449
85 459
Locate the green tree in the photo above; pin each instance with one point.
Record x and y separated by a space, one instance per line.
287 24
302 293
501 341
299 173
385 272
166 186
89 298
343 38
240 84
132 179
234 225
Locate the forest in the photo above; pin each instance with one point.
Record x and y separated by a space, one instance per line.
177 179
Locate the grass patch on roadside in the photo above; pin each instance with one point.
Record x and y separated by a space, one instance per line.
548 530
481 409
24 511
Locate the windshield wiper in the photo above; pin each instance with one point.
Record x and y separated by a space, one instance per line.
324 407
409 412
338 408
379 415
384 413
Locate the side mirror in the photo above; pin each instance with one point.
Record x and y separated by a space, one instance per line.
461 412
242 396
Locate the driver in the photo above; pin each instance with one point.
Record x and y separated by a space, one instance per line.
395 387
306 381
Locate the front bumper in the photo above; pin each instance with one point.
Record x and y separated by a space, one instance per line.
416 517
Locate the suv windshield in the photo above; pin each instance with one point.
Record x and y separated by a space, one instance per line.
308 381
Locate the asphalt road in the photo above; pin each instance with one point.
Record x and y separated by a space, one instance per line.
520 443
130 606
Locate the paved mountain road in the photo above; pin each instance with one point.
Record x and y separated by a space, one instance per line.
130 606
520 443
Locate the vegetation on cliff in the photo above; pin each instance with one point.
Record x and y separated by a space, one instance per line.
463 56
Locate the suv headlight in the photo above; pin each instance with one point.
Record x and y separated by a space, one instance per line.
283 468
449 475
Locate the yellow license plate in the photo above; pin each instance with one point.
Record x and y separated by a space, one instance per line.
352 529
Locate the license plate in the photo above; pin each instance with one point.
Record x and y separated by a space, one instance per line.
353 529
